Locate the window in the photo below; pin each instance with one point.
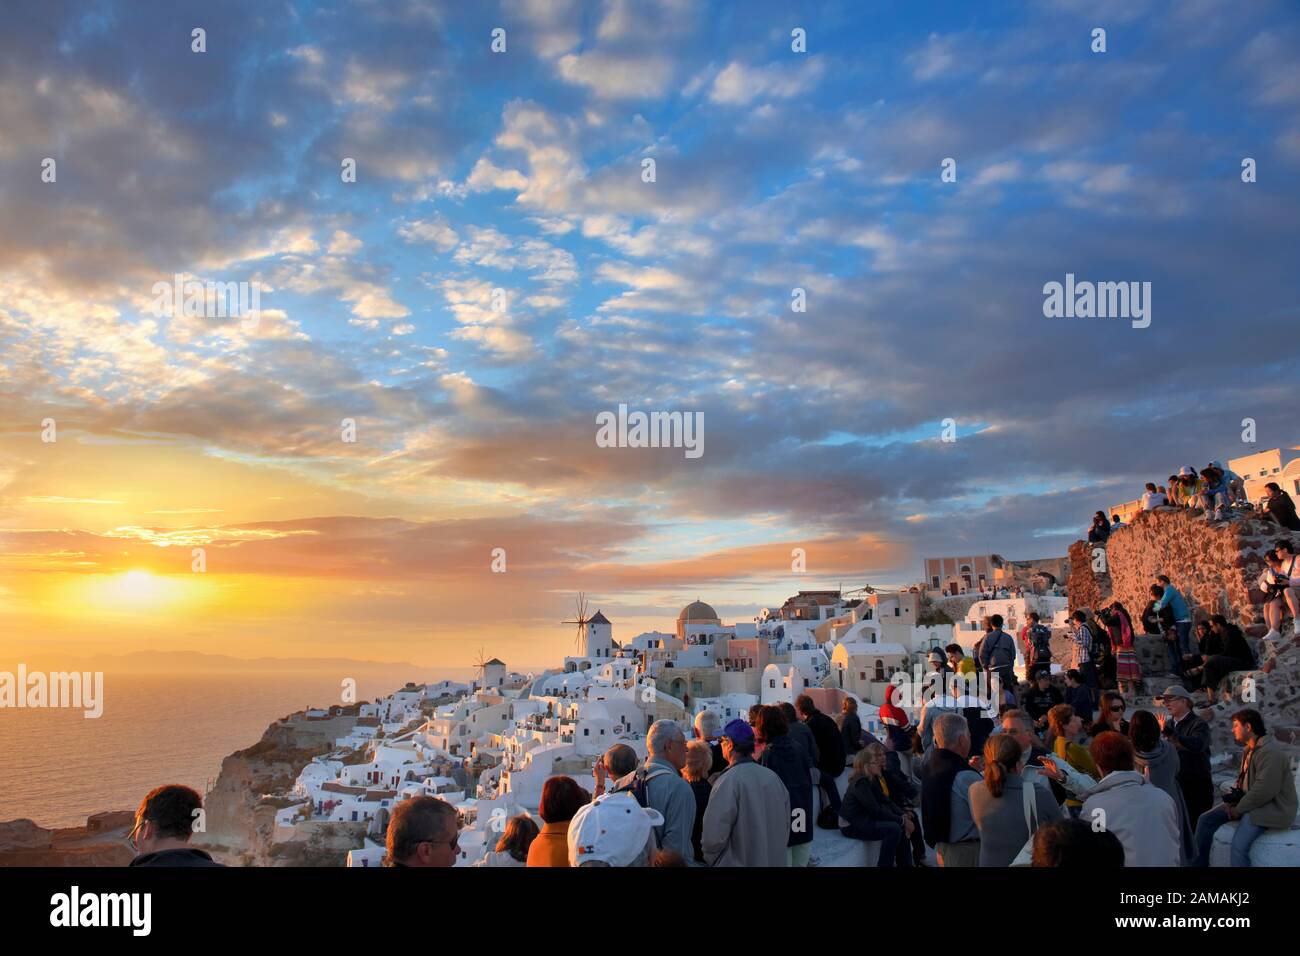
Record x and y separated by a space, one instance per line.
586 731
880 670
934 580
771 682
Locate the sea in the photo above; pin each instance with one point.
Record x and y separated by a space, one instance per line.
57 766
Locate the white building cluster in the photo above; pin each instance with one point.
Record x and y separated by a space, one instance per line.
488 747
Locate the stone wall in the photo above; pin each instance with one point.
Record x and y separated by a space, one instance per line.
1215 565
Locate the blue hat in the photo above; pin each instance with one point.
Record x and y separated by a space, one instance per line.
739 732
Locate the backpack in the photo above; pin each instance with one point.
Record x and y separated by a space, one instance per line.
1040 636
641 794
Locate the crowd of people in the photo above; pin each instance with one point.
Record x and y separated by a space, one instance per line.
1065 774
1215 489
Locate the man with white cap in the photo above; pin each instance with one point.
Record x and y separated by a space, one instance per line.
613 830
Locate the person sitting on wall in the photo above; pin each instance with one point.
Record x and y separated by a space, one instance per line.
1263 799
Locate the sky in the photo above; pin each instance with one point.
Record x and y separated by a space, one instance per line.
524 171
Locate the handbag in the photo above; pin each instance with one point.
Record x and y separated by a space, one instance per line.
1026 855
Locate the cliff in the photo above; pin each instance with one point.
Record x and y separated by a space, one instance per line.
101 842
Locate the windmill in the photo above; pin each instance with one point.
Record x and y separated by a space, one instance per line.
581 639
479 665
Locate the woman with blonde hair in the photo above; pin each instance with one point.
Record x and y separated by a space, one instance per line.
699 761
1007 807
1066 732
871 814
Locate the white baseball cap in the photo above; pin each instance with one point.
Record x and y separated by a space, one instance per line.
612 829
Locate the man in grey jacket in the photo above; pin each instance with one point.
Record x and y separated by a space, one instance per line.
747 822
664 788
997 653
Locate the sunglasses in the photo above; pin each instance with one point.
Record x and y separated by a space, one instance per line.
1117 708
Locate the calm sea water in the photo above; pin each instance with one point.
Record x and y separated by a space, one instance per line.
56 766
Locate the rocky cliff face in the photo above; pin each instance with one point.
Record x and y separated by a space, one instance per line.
1216 566
101 842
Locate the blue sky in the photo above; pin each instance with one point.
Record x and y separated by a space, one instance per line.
522 171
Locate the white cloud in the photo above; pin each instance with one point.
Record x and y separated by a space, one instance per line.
738 84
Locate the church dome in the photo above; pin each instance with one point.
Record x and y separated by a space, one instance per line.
698 611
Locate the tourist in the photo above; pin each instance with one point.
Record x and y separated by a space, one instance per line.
1041 697
1190 736
658 784
799 732
830 760
935 703
1176 494
1100 530
1153 498
164 823
515 843
1191 485
1291 564
1073 844
870 813
1111 716
945 795
1214 494
1124 802
898 727
708 727
562 797
1081 641
1079 696
1235 483
958 662
794 766
1263 799
851 725
423 832
999 804
1115 523
1066 728
1178 645
1019 726
1225 651
618 764
1128 671
1279 506
1273 582
1157 760
699 766
900 787
997 653
613 830
1036 639
747 822
938 662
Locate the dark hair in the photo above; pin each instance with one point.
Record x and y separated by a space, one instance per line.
787 708
995 620
1156 590
752 717
1165 579
170 808
954 649
1151 486
1252 719
519 836
1219 619
1001 755
562 797
1074 843
1074 675
1107 695
804 704
1114 517
772 723
1079 616
1111 751
1272 486
1281 543
418 820
1144 731
1033 616
1203 624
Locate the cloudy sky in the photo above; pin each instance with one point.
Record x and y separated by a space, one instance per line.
523 171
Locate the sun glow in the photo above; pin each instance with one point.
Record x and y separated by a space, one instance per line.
137 590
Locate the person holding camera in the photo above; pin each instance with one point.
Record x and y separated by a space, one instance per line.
1263 799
